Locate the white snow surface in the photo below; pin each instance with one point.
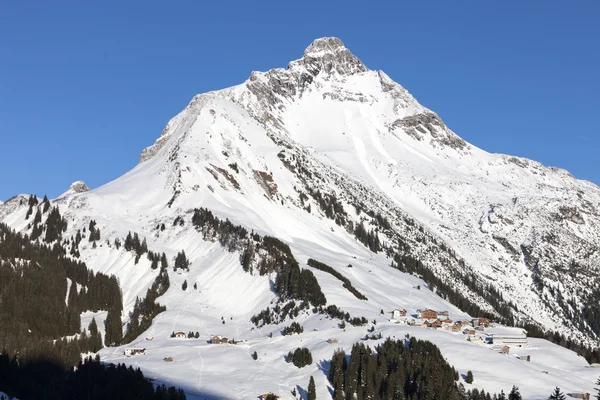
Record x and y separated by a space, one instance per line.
344 127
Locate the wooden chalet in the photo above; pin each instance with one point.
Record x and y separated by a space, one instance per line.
429 314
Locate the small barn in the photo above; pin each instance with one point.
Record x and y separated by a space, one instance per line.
168 359
397 314
332 340
180 335
504 350
525 358
584 396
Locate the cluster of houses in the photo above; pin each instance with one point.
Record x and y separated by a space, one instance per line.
216 339
134 351
477 330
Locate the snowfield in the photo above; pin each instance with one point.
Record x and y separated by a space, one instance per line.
252 153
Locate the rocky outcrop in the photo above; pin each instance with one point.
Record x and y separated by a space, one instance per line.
429 125
78 187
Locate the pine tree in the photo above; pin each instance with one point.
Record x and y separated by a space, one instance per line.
72 298
93 327
469 378
557 395
95 337
255 355
181 261
38 217
312 390
514 394
128 242
598 389
184 286
114 328
46 204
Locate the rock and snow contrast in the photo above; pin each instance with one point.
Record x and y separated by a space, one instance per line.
310 154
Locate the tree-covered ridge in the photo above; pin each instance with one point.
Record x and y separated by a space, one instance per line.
402 245
406 263
297 289
90 380
147 308
263 255
347 284
33 289
397 369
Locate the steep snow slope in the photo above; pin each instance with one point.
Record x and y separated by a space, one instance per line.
265 154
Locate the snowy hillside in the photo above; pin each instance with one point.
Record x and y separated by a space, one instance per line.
311 155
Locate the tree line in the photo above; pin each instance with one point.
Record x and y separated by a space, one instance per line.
89 380
346 282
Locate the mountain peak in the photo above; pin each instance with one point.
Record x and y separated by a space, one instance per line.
329 54
325 44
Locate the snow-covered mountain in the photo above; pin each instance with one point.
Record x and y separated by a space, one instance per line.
328 123
307 154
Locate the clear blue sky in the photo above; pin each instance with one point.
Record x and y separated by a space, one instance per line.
86 85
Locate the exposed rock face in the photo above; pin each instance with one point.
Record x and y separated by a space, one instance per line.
429 124
78 187
151 151
327 55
